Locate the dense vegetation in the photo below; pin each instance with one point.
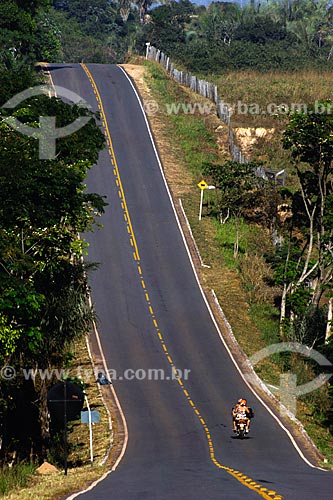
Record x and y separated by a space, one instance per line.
43 207
278 34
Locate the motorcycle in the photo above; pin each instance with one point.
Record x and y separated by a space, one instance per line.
241 421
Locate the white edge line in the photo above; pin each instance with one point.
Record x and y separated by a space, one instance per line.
117 403
102 397
100 479
191 234
125 442
202 292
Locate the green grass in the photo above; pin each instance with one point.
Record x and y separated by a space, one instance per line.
266 318
197 142
14 477
226 237
22 482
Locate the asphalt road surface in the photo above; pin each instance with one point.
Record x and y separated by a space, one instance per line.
152 315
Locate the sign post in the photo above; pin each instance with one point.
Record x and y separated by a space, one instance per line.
93 418
203 185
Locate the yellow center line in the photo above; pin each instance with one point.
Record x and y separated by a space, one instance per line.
239 476
112 155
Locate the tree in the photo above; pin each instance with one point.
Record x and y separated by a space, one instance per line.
220 22
309 137
167 27
19 25
260 29
43 207
143 6
236 184
308 20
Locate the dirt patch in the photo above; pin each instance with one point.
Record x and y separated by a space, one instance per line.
47 468
137 72
249 137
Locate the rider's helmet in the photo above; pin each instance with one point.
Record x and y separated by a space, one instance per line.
243 402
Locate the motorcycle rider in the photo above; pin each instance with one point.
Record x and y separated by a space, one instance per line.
241 408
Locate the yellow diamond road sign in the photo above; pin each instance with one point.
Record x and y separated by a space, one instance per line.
202 184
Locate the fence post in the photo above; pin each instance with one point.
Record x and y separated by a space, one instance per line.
206 89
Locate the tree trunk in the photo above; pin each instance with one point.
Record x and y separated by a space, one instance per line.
283 309
329 327
43 418
236 245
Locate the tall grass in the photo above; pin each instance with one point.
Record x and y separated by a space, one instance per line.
274 87
253 89
17 476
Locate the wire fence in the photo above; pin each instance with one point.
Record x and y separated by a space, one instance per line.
209 91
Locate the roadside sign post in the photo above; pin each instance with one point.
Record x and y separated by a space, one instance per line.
203 185
93 418
147 49
90 430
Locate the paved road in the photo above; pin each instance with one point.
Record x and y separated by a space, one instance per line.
148 301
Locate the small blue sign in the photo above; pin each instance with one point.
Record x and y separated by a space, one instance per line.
95 417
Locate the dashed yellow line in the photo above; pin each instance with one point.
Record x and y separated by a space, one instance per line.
112 155
239 476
